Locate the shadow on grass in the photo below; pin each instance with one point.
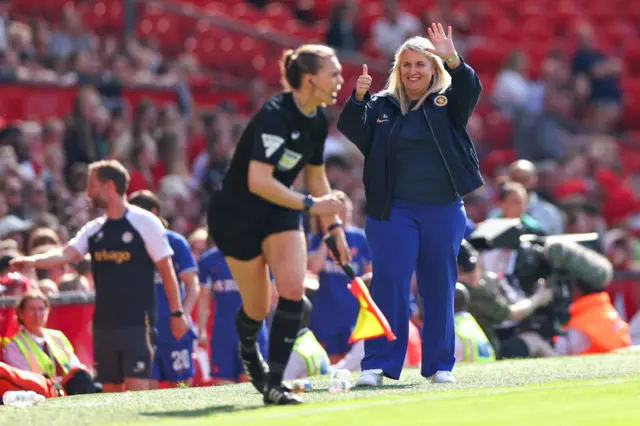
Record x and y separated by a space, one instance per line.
201 412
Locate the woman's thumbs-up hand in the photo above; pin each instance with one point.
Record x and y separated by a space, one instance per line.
363 84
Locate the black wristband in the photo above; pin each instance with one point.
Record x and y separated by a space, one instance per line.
333 226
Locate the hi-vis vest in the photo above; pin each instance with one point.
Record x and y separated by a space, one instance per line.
38 360
314 355
595 317
476 345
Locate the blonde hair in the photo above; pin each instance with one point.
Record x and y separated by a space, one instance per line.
440 82
200 234
304 60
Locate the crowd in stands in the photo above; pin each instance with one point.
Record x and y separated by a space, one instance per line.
563 111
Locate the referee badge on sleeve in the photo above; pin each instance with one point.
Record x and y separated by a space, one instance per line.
440 100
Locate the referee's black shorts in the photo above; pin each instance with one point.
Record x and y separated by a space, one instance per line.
239 232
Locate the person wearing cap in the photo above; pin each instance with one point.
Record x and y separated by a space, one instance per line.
489 304
172 361
472 344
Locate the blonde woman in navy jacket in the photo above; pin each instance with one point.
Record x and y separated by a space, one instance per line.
419 163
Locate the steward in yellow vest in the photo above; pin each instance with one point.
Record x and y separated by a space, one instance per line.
472 344
38 360
308 357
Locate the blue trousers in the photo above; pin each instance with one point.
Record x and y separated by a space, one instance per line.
424 239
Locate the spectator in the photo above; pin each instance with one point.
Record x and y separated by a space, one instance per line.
14 195
13 228
13 137
48 287
392 29
339 172
513 201
81 144
40 237
304 11
512 88
71 36
144 156
343 33
546 214
601 72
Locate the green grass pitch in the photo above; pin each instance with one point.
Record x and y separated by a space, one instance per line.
584 391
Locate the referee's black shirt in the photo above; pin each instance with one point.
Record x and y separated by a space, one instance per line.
281 135
123 255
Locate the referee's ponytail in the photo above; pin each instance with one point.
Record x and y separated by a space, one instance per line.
304 60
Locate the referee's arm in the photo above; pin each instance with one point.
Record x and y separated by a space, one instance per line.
318 186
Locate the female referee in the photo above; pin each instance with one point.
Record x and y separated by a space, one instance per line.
419 163
255 219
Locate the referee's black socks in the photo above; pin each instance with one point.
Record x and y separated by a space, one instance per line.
247 331
284 330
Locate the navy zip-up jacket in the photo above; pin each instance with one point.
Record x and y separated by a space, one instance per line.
370 125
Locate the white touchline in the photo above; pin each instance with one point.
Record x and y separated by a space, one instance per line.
415 398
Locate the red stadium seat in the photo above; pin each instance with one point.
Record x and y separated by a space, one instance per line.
632 58
498 131
217 9
489 56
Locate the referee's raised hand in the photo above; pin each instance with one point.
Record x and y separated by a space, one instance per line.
363 84
327 205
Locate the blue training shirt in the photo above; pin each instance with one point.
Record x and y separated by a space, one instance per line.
334 307
183 261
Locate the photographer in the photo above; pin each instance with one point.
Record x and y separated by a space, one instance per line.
495 303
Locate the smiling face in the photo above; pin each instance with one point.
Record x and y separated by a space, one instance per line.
416 71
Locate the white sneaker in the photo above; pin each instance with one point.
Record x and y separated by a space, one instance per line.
370 378
443 377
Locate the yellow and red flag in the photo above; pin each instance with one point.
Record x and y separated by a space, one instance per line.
371 322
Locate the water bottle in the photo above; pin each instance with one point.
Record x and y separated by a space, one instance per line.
21 398
339 381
